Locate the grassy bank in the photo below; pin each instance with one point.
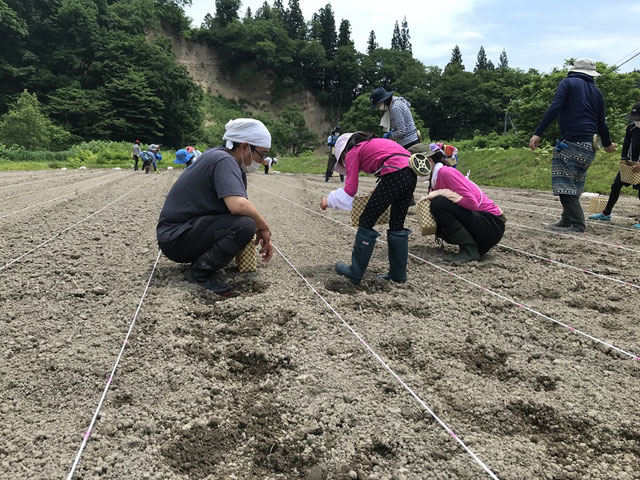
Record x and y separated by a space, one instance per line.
514 167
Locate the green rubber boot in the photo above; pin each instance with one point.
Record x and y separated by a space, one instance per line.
468 246
398 241
360 256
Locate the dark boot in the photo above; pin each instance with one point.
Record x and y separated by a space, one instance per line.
573 210
468 246
205 266
398 242
342 178
362 250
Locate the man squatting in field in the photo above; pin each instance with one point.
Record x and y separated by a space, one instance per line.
356 152
580 107
207 218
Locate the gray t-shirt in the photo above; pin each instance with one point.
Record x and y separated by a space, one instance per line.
199 191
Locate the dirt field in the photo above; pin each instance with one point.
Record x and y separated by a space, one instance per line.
271 383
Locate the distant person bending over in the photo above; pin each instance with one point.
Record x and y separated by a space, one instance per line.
464 214
360 152
580 107
207 218
268 163
630 155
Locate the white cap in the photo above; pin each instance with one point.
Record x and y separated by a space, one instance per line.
247 130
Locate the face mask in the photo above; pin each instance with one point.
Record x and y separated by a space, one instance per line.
637 122
250 168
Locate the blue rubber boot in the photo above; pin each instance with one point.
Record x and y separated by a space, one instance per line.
600 216
637 225
360 256
398 242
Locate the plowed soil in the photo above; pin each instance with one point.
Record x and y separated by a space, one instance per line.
271 384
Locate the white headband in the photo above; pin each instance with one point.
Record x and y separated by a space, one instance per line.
247 130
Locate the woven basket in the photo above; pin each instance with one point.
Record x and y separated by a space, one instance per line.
428 224
359 202
597 204
627 175
246 259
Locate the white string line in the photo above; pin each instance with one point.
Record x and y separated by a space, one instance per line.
58 198
566 265
484 289
55 177
70 185
6 265
533 255
621 247
113 371
390 370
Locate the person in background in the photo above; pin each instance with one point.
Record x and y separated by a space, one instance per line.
154 154
360 152
331 142
195 151
397 120
630 155
580 107
465 216
135 154
207 218
450 152
268 163
184 157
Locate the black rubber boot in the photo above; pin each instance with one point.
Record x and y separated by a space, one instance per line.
468 246
398 242
205 266
360 256
572 211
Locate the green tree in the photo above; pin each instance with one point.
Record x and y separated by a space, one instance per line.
227 11
26 126
13 31
290 131
372 44
296 25
344 35
396 38
481 62
80 111
504 61
326 30
456 59
405 38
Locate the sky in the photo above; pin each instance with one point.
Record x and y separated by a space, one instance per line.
535 34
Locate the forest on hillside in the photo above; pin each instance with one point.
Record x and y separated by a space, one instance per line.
90 70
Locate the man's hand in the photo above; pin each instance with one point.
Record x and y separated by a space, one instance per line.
534 142
324 203
611 148
263 238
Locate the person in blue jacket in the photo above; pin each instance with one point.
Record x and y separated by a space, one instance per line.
580 107
331 162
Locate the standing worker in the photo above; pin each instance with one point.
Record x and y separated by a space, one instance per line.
360 152
580 107
135 154
397 120
207 218
630 155
331 142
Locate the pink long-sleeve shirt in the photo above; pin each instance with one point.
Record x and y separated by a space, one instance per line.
472 197
369 156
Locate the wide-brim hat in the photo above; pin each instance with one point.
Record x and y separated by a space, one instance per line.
341 143
635 112
378 96
182 156
585 65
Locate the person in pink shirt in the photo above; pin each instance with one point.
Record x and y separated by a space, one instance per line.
360 152
464 214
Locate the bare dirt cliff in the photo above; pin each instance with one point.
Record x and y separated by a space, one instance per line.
205 68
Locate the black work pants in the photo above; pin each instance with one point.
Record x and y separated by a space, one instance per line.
485 228
231 233
615 193
395 189
135 165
